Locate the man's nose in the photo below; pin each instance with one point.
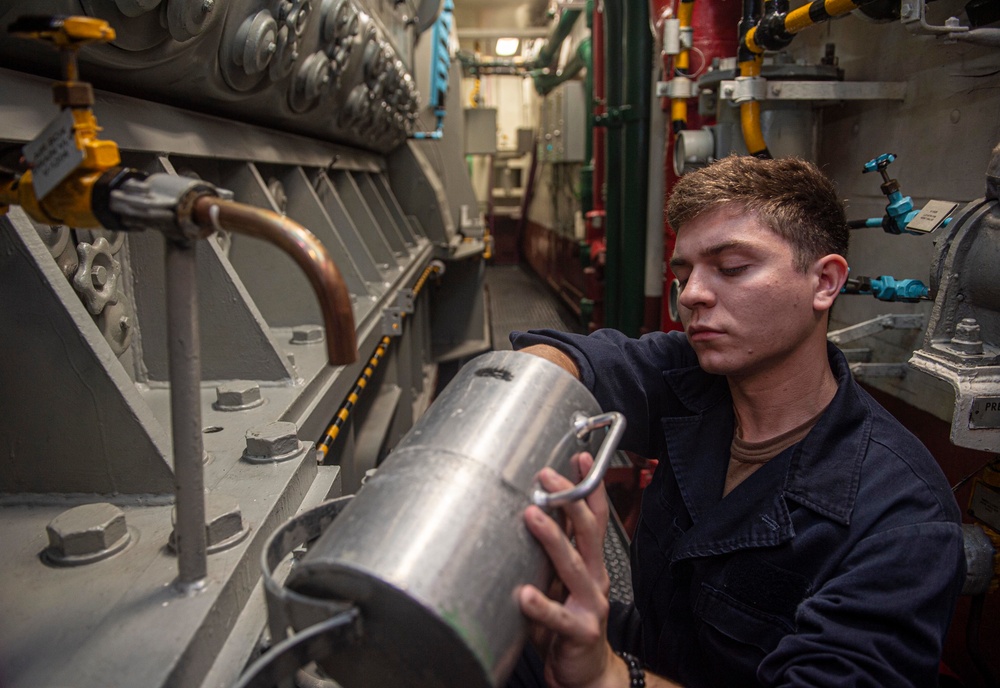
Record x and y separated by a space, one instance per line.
696 292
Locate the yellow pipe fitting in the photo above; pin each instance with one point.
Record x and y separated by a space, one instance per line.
67 204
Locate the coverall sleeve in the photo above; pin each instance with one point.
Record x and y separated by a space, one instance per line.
624 375
881 619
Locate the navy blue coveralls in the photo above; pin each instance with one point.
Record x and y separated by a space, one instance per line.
837 563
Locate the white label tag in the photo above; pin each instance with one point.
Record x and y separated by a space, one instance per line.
985 412
931 216
53 154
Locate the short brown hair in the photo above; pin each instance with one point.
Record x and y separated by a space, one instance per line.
789 196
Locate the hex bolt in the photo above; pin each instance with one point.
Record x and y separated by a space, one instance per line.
207 6
237 396
224 522
224 525
968 337
124 323
99 275
86 534
307 334
277 441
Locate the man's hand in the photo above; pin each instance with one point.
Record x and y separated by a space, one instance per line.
574 630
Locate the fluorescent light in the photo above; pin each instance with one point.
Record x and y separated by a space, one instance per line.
507 46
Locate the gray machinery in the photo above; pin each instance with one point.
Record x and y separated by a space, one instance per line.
155 395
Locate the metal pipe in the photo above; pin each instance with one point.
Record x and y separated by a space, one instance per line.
596 105
638 95
306 250
653 284
562 28
614 75
184 350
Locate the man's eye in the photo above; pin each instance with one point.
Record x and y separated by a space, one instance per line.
730 272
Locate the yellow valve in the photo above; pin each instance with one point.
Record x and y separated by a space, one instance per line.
64 32
69 200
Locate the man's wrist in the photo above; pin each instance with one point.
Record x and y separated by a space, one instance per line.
636 674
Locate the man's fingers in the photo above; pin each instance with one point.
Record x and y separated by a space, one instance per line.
570 566
552 615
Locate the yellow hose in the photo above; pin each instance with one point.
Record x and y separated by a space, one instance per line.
750 113
678 106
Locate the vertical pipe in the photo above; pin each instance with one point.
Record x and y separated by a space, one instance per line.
587 171
597 103
653 285
184 348
638 87
614 75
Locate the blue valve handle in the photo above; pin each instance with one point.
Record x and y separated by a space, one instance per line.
888 288
900 211
878 164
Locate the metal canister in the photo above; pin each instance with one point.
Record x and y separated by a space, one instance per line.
433 547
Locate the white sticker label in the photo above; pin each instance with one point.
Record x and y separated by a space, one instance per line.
931 216
985 412
53 154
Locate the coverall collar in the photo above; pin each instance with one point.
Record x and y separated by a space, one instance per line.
820 473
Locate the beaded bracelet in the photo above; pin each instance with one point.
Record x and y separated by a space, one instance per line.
636 674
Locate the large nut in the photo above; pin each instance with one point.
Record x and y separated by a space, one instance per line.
307 334
237 396
277 441
86 534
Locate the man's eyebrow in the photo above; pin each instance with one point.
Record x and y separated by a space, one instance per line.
734 244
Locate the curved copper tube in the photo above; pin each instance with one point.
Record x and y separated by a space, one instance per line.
306 250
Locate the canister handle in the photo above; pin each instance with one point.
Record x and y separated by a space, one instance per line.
582 427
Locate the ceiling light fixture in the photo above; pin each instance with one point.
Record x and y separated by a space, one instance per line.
507 46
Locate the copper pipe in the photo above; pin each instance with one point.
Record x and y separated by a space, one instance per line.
306 250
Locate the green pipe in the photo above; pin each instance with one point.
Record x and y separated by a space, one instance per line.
613 74
638 93
587 171
554 41
545 80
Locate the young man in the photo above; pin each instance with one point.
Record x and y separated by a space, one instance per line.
794 533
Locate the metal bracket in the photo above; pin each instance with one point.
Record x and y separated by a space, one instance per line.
744 89
678 87
890 321
405 300
913 15
864 371
392 322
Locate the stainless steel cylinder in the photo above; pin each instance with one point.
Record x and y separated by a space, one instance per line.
433 547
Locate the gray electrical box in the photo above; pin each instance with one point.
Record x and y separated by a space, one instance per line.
480 131
564 119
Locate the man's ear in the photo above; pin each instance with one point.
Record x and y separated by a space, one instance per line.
830 272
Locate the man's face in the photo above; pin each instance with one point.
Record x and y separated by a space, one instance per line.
745 308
